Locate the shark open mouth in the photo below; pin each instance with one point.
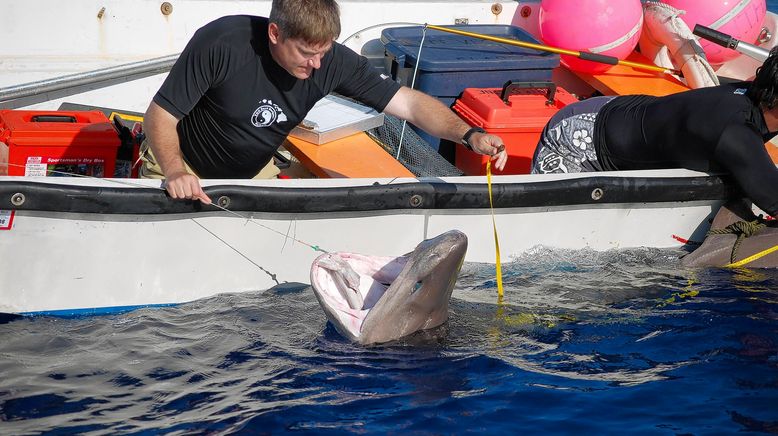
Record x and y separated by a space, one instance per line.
375 299
336 291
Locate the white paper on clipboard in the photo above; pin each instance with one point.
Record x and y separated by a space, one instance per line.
334 118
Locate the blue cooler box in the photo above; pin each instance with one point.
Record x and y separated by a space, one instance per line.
450 63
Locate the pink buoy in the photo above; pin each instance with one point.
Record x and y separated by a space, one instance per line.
741 19
607 27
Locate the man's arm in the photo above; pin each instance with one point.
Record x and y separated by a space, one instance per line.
160 127
435 118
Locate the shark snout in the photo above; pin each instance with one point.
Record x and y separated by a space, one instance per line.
449 247
418 299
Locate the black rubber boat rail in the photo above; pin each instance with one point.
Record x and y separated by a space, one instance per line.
36 196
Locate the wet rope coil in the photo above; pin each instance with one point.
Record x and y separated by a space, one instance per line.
743 229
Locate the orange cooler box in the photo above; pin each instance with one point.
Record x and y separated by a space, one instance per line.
517 113
35 143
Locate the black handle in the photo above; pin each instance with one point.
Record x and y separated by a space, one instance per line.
596 57
715 36
524 88
282 161
53 119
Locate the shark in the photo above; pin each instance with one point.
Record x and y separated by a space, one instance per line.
378 299
757 249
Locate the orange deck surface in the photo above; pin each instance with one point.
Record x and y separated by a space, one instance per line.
622 80
353 156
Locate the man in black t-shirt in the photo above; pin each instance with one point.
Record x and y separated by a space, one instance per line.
721 128
243 83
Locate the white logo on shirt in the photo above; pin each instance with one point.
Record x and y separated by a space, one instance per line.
740 91
267 113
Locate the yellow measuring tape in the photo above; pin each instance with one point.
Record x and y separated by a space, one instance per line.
751 258
494 228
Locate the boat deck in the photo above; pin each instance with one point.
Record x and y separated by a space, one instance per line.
623 80
351 157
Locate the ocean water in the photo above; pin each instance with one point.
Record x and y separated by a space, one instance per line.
583 343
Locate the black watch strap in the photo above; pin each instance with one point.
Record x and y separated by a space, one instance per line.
468 134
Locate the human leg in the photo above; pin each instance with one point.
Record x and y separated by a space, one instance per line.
566 144
149 168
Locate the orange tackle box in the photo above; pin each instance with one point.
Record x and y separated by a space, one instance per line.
517 113
50 143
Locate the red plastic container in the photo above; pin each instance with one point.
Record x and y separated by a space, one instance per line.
517 113
42 143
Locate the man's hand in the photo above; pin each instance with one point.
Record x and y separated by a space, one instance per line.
162 136
438 120
490 145
182 185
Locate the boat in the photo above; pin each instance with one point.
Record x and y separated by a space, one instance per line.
89 245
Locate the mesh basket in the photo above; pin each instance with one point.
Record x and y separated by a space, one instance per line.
415 153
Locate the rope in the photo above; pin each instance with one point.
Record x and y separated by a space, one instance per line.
498 265
743 229
413 83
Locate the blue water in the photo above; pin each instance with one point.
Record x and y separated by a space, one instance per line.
585 343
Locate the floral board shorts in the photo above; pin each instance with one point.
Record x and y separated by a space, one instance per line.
566 144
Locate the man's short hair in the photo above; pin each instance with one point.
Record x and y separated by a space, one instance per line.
314 21
764 89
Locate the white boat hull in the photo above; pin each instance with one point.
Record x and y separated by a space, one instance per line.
66 262
79 257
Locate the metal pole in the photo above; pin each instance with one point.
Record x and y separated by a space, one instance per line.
149 67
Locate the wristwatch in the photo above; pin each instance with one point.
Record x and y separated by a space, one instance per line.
468 134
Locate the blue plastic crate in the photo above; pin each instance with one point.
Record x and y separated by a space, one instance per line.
450 63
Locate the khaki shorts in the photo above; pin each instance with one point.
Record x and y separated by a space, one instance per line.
150 169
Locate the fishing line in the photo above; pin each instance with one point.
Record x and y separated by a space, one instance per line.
272 276
285 235
413 83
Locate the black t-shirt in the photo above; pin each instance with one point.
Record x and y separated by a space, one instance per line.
236 105
707 129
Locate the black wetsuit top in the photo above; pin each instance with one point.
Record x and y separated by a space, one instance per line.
236 105
707 129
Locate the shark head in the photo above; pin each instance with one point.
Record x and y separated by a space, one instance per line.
373 299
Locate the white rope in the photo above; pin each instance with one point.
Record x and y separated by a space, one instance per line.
413 82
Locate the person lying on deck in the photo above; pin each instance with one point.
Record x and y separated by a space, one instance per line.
722 128
243 83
